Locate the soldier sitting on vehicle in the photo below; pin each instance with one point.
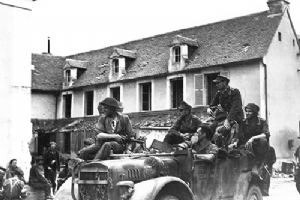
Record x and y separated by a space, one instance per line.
184 128
113 127
228 100
254 132
201 144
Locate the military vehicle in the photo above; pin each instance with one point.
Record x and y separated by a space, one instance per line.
179 175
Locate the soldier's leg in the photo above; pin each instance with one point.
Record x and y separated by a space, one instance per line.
89 152
106 148
173 138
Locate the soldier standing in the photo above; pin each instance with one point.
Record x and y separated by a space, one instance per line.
52 164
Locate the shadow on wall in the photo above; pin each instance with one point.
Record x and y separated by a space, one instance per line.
285 142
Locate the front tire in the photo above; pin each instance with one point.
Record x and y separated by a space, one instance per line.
254 193
168 197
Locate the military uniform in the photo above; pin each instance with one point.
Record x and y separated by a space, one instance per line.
185 124
252 127
51 166
231 101
208 148
120 124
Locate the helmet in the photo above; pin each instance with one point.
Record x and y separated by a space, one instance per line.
109 101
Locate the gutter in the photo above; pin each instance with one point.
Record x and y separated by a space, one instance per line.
266 89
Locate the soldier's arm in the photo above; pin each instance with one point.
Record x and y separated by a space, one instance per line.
215 100
236 104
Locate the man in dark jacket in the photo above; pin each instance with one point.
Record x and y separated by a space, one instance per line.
113 127
37 177
52 164
184 128
229 99
254 132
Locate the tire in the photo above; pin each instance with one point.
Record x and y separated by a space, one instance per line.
174 192
298 185
168 197
254 193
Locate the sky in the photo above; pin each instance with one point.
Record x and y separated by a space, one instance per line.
76 26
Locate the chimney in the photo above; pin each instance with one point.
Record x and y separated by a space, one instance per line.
49 52
277 6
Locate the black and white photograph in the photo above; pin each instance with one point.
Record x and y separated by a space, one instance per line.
150 100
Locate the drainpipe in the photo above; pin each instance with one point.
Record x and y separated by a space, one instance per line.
56 104
266 90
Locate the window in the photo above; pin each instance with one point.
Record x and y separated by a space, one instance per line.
176 92
116 65
177 54
279 36
67 105
89 102
68 75
115 93
67 142
145 96
211 88
205 89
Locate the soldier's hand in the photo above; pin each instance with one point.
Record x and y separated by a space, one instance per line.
194 139
227 124
248 146
209 111
118 138
185 135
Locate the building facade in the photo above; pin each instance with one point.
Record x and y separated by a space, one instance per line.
15 82
258 52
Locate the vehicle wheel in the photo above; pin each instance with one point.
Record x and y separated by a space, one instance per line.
168 197
254 193
298 185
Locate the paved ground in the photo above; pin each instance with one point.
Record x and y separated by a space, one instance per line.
283 189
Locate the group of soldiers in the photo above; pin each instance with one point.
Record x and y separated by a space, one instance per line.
227 127
227 123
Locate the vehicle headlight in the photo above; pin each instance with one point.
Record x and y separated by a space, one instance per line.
125 189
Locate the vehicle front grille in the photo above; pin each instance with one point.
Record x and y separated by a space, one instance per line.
93 192
93 175
90 191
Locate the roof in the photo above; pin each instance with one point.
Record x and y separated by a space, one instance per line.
229 41
48 72
234 40
123 52
70 63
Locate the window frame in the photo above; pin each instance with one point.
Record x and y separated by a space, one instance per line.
116 65
149 98
64 102
176 54
87 101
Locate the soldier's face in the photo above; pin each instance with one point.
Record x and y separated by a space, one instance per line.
184 112
249 113
107 110
221 85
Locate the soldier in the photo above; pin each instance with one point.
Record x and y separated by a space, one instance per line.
202 142
184 128
254 132
113 127
52 164
230 101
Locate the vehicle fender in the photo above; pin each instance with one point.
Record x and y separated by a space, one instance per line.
148 190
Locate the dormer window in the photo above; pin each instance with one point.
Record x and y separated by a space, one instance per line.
120 60
181 49
177 54
68 75
73 69
116 65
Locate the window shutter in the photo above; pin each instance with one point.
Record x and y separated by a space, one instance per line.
199 89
